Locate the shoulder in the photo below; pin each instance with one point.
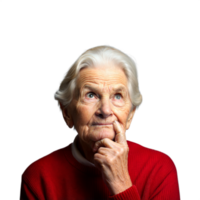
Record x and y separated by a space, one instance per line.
46 165
144 155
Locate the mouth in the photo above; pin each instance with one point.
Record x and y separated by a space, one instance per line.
102 124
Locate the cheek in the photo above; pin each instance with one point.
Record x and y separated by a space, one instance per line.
122 117
83 114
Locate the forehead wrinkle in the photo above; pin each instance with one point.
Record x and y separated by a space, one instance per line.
115 88
102 79
102 76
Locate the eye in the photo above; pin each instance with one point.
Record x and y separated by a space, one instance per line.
118 96
90 95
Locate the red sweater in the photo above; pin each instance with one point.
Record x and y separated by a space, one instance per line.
59 176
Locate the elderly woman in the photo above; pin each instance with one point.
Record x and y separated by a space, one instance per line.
98 97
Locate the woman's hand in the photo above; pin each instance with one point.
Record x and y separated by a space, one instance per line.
112 159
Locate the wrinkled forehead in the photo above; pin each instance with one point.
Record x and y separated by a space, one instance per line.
101 81
109 74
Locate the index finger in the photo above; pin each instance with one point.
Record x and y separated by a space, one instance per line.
120 136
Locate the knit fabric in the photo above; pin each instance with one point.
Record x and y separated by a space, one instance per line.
59 176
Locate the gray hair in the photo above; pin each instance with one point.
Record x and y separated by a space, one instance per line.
94 57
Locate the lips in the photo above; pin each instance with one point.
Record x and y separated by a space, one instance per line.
102 124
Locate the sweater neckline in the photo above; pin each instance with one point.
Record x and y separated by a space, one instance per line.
74 157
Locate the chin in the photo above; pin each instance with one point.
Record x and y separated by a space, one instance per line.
99 133
106 134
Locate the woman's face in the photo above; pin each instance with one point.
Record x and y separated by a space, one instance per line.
101 97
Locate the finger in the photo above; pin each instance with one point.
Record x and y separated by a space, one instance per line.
120 136
97 145
103 143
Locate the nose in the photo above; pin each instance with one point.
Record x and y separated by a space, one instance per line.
104 110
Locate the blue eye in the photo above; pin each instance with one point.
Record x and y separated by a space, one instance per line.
118 95
90 95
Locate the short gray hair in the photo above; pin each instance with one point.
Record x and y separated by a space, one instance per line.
95 57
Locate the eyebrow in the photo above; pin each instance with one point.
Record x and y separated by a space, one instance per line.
117 88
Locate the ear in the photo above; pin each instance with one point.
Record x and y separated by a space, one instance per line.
67 116
130 117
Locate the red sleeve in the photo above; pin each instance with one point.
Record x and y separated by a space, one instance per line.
129 194
26 192
165 184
